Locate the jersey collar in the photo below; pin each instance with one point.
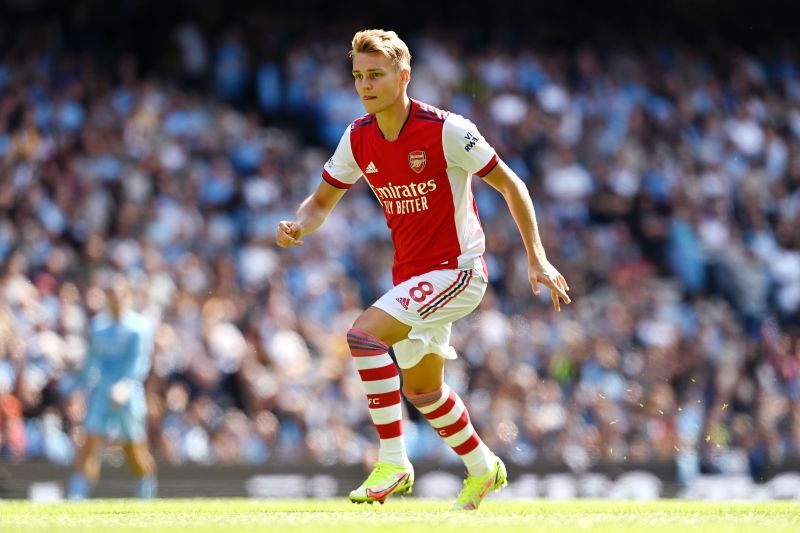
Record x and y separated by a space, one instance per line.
411 112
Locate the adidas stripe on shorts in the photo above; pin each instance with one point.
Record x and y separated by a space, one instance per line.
430 303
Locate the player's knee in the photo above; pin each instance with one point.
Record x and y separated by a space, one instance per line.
367 324
419 397
89 450
140 461
136 469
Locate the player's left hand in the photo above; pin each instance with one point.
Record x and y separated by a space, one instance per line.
120 393
547 275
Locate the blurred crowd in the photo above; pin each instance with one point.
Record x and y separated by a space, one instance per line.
667 188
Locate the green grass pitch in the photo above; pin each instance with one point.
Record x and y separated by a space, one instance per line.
398 515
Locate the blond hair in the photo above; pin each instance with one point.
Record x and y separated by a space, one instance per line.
385 42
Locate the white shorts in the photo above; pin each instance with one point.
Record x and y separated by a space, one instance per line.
430 303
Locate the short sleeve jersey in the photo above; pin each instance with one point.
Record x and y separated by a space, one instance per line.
423 181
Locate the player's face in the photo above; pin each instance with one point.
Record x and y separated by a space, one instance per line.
118 298
379 83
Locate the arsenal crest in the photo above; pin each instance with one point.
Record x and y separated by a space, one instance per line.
416 160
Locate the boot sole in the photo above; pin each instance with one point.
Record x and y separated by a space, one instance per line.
401 490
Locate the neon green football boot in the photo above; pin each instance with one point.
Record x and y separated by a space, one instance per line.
477 487
384 480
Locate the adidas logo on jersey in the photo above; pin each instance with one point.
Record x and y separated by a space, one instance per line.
404 302
371 168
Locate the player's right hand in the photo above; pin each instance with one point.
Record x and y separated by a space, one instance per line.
288 232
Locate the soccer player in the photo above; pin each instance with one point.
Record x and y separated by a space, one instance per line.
419 162
117 363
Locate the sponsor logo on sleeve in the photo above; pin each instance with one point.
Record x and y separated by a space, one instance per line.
471 139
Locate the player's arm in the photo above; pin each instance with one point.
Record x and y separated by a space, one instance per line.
339 173
310 215
91 365
513 189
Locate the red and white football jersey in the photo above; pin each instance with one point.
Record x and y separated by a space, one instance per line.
423 180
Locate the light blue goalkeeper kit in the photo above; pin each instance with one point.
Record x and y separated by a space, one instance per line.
118 351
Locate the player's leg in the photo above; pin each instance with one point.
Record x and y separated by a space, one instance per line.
143 468
369 340
425 377
88 461
421 357
87 468
424 386
133 425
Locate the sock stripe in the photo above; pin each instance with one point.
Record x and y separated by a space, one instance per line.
382 385
444 393
364 336
459 437
390 430
455 427
385 415
353 339
443 409
471 443
385 399
367 340
358 345
363 363
375 374
361 350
